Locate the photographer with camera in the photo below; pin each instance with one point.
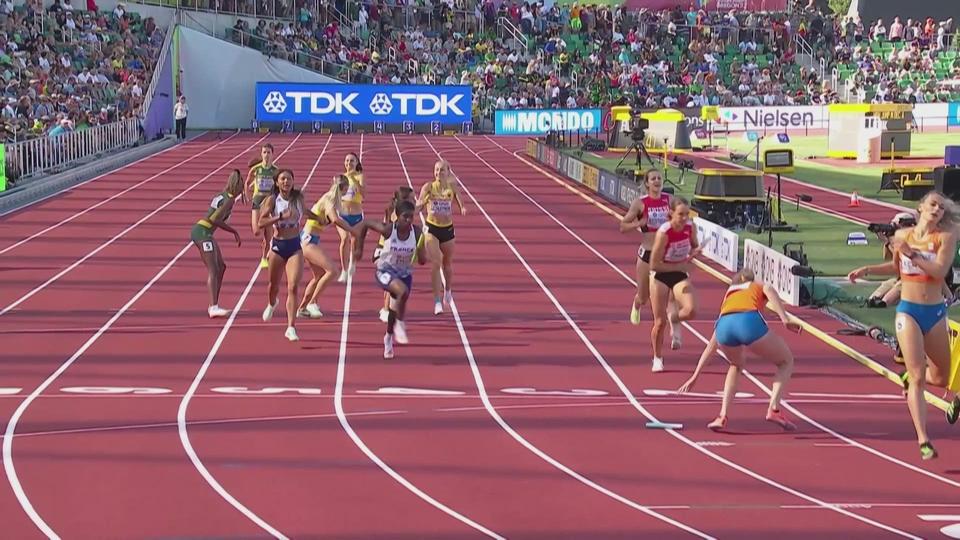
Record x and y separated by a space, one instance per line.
888 293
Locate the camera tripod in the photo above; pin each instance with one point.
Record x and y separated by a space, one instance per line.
640 150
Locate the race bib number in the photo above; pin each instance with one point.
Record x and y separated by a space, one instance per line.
677 252
304 237
657 216
207 246
441 207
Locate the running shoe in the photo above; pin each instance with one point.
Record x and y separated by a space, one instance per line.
313 311
634 315
905 381
384 315
718 423
927 451
437 308
387 346
268 312
953 410
657 365
400 333
778 418
291 334
217 311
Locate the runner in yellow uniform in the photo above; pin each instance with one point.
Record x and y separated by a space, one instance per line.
323 268
260 182
202 235
351 210
438 197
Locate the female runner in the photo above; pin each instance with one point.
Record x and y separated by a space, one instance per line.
394 271
351 203
740 326
647 214
260 181
202 235
923 255
323 268
403 193
674 246
283 210
438 197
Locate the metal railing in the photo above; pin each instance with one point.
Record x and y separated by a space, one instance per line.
296 56
48 154
261 9
155 77
506 30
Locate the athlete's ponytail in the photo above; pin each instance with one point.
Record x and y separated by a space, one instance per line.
235 182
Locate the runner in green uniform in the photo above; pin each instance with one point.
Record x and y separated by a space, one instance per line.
202 235
260 183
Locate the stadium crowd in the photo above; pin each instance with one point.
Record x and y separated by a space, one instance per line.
64 68
586 55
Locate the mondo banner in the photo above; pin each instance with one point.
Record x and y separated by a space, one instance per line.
303 102
540 121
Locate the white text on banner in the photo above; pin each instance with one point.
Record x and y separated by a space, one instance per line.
719 245
773 269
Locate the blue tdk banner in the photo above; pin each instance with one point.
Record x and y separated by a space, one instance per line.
954 118
305 102
541 121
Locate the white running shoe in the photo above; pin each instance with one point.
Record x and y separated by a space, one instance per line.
400 333
313 311
268 312
342 278
437 308
657 365
291 334
387 346
384 315
217 311
447 298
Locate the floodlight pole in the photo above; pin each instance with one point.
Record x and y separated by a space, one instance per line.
779 202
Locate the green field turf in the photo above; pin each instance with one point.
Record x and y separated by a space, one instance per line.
852 176
824 237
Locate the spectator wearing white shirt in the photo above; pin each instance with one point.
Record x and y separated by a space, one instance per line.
180 111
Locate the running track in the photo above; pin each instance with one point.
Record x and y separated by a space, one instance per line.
520 413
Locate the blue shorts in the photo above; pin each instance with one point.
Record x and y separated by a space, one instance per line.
385 276
352 219
738 329
286 248
308 238
926 315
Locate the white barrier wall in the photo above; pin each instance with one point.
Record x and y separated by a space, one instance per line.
719 245
773 268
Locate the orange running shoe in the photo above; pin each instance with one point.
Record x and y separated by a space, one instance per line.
778 418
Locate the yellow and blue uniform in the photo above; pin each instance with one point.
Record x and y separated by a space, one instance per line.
262 183
926 315
313 228
740 322
353 195
202 231
440 205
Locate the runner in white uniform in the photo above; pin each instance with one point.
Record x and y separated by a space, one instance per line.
394 272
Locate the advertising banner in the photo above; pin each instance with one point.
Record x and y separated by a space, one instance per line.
719 245
540 121
591 177
773 268
609 185
307 102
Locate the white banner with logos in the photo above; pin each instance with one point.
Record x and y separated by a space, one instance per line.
773 268
792 118
719 245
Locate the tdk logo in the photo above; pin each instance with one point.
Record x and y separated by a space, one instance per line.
381 104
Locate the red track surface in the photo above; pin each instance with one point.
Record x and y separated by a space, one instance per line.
556 450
